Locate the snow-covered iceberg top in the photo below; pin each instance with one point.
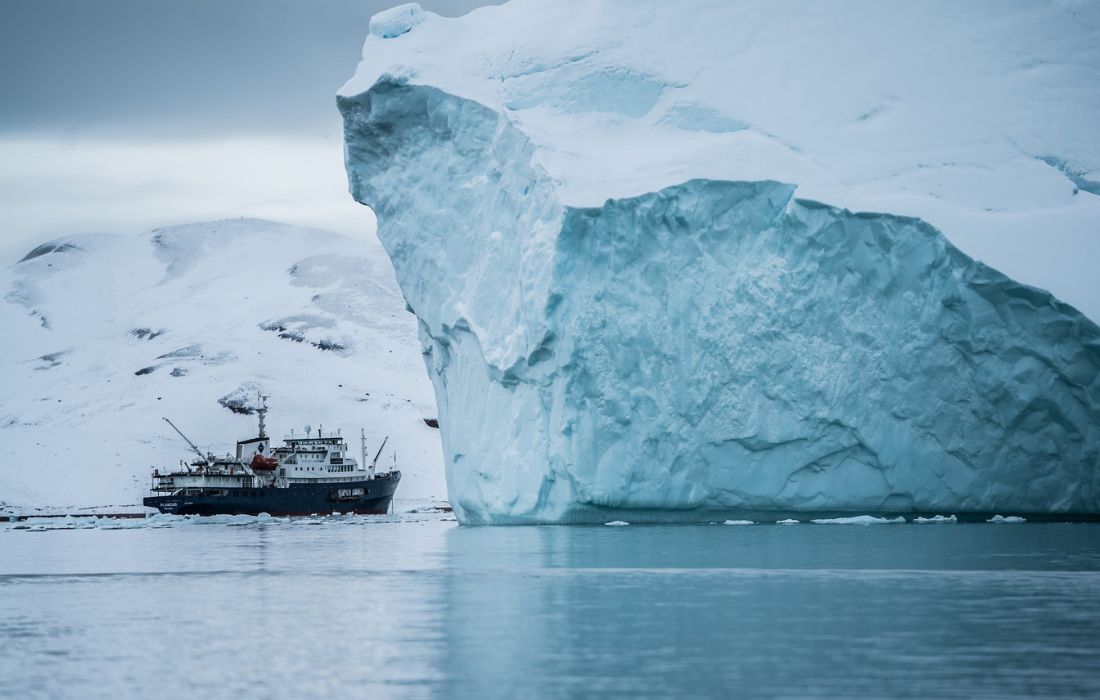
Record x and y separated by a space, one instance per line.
977 118
626 311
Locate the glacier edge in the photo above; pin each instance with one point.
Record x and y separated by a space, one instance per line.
713 347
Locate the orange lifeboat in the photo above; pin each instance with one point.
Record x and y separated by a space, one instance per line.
263 464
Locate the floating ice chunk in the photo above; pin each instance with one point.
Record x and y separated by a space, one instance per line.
227 519
164 520
788 521
1006 519
396 21
859 520
738 522
616 523
936 519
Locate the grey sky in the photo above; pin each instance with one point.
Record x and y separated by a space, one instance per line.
141 67
126 115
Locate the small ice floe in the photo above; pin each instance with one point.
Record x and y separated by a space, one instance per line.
738 522
936 519
1006 519
617 523
158 520
237 520
788 521
138 523
859 520
68 522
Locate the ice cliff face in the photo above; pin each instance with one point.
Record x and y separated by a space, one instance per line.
622 310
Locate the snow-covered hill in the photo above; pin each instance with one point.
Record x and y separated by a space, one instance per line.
105 334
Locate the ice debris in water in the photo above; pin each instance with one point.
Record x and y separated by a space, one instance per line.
859 520
1006 519
936 519
617 523
788 521
738 522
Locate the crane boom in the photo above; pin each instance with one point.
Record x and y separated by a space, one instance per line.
379 452
204 458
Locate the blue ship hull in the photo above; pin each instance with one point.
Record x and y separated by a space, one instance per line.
364 497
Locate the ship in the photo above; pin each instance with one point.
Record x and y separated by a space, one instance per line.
309 474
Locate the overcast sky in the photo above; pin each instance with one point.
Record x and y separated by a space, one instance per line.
124 115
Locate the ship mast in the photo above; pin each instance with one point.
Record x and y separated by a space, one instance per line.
362 449
261 412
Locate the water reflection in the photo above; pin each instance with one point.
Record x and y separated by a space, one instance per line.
361 607
769 611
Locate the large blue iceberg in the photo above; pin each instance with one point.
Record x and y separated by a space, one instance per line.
712 347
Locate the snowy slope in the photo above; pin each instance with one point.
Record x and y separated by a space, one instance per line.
104 334
608 218
978 117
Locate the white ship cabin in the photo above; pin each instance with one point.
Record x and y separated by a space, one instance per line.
317 455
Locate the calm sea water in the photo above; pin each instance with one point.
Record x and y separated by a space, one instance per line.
415 606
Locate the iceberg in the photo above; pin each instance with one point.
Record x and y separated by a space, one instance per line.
642 298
